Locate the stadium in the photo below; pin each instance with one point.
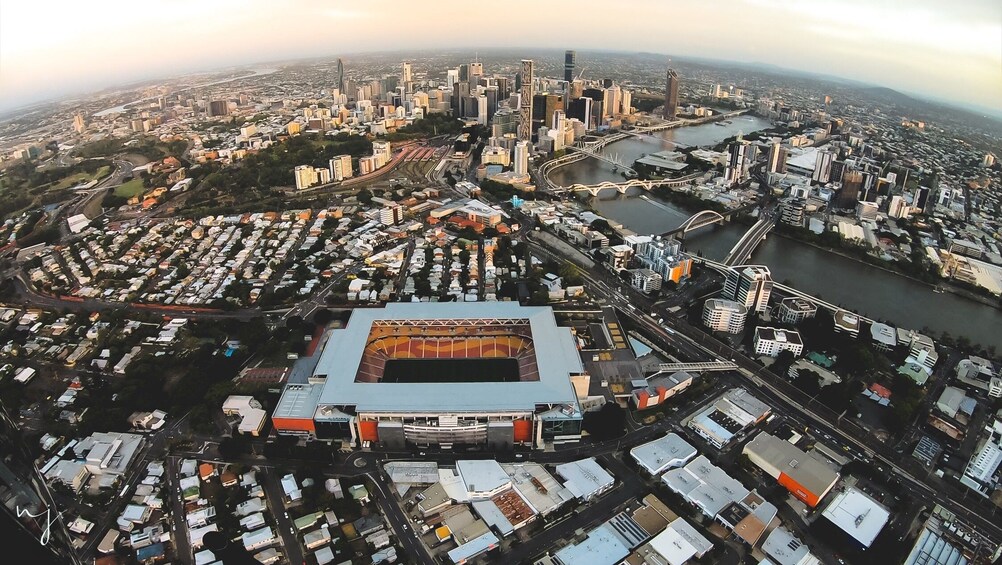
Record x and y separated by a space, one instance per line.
447 374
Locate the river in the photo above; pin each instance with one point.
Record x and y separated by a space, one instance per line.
866 289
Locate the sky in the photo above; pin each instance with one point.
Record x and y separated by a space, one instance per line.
945 50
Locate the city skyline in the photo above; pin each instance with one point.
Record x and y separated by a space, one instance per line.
927 50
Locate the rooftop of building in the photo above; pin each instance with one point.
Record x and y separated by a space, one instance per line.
722 304
658 455
858 515
807 470
778 335
798 304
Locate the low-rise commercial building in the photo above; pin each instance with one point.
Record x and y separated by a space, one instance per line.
773 341
795 310
585 479
658 456
807 477
858 515
732 412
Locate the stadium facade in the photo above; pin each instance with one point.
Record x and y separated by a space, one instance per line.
484 374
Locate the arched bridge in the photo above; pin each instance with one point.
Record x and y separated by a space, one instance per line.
699 220
622 187
706 218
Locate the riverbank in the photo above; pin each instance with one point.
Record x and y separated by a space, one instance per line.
945 285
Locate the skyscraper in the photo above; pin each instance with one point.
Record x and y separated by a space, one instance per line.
777 157
581 109
476 71
406 75
671 95
521 163
340 76
848 196
737 163
570 58
611 101
823 167
525 107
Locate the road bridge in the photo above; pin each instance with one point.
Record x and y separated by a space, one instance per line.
743 249
665 124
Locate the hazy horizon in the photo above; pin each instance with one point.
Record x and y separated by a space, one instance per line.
925 49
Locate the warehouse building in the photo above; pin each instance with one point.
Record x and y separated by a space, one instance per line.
806 476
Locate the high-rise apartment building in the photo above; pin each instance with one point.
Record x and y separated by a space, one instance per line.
381 151
612 100
823 167
750 287
724 315
306 176
570 58
340 167
625 102
406 74
738 161
665 257
777 157
521 164
218 108
671 95
525 108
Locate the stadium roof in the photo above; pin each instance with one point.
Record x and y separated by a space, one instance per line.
343 353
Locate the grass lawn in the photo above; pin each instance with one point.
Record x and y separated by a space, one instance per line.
130 189
80 178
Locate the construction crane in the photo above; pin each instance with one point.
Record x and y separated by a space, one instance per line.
581 74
